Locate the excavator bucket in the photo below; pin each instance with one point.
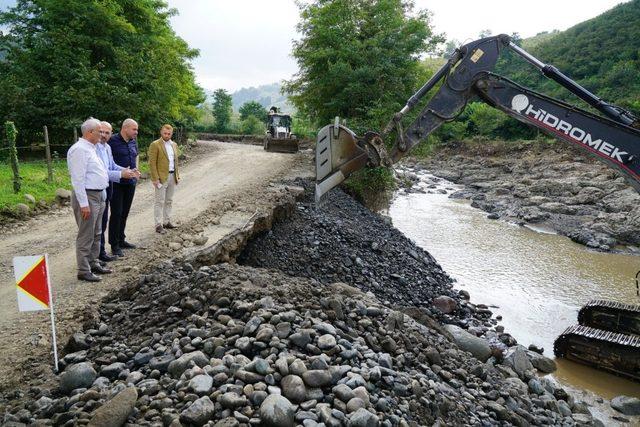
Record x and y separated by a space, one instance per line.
281 145
338 155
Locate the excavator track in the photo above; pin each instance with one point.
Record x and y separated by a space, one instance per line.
606 338
611 316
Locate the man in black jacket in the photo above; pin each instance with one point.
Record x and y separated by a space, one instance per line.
125 153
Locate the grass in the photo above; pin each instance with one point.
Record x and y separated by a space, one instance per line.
34 182
369 184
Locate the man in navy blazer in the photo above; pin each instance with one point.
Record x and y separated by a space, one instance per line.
125 153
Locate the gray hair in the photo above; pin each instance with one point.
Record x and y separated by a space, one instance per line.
128 122
89 125
106 124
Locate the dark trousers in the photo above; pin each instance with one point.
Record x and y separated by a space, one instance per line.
121 200
105 220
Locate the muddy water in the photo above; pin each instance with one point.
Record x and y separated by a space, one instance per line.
535 279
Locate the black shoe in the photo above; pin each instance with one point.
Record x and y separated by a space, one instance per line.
170 225
100 269
89 277
117 252
127 245
105 257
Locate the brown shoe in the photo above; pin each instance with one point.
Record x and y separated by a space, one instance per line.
160 229
169 225
89 277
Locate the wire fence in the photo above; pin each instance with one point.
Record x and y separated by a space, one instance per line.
180 137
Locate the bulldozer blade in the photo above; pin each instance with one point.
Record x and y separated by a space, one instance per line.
338 155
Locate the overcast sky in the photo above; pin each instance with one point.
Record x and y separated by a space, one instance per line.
248 42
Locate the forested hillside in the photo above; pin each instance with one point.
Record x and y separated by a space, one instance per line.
267 95
602 54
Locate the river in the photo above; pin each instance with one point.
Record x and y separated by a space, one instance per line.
535 279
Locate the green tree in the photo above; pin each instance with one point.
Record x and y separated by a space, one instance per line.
66 60
253 108
222 110
485 119
358 59
252 126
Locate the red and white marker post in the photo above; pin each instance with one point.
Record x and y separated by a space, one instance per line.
33 285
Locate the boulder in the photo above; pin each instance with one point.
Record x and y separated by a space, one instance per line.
445 304
363 418
317 378
541 363
199 412
277 411
626 405
293 388
178 366
516 358
22 210
63 195
115 412
80 375
467 342
200 240
201 384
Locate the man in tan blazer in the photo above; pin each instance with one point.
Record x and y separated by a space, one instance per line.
163 166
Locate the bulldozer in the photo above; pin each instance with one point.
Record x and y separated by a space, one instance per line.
278 137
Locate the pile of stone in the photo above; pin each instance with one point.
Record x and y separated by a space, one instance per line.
343 241
231 345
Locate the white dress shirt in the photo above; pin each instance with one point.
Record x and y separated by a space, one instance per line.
168 145
104 153
86 169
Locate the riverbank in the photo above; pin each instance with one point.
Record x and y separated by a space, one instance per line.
342 324
546 184
536 281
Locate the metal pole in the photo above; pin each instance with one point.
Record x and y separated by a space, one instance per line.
47 151
53 321
75 135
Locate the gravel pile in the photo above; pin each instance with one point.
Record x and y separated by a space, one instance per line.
232 345
346 242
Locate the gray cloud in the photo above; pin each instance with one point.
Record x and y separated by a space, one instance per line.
242 42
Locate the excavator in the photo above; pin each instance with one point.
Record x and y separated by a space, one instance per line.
608 333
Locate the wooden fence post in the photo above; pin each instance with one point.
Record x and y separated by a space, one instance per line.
11 131
47 152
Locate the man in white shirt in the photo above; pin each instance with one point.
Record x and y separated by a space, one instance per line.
163 167
89 179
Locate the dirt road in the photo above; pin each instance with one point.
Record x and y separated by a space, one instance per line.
221 185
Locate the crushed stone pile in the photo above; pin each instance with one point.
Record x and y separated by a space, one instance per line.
343 241
230 345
